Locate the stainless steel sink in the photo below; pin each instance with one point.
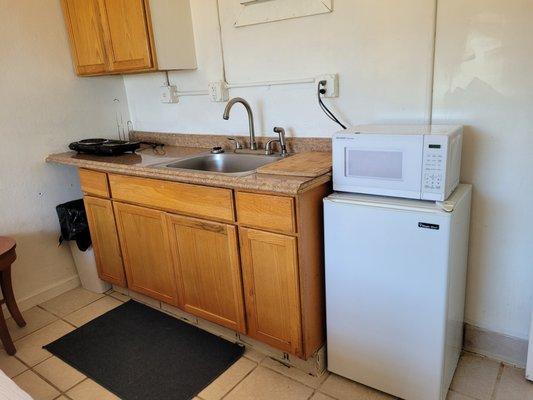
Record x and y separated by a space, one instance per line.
225 163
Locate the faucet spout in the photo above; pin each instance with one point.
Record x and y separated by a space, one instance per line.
231 103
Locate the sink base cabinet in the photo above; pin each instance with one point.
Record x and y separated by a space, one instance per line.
254 266
144 241
206 260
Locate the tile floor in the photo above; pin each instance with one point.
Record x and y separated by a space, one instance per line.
254 376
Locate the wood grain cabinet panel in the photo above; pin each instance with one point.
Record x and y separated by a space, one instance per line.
127 34
266 211
195 200
271 288
94 182
143 235
104 237
206 259
84 26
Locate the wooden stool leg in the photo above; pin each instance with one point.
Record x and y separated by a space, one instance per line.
5 336
9 297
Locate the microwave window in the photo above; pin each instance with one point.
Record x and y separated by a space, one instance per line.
374 164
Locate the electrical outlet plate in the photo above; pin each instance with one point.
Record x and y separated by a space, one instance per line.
218 91
169 94
332 84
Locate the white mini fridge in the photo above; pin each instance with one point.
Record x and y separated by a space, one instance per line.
395 290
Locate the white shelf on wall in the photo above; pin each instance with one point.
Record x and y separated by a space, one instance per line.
255 12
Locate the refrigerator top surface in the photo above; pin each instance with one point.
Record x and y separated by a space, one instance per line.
401 203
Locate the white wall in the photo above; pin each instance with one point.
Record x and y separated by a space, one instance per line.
43 106
383 52
359 41
484 79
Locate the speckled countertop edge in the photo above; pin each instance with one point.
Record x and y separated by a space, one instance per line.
286 185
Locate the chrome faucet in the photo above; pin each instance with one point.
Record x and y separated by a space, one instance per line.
253 144
281 140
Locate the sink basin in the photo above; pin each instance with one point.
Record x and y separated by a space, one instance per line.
225 163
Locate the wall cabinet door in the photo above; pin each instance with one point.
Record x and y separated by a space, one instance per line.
127 33
271 288
105 240
143 237
207 267
84 26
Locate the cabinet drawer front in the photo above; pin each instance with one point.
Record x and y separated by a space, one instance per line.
93 182
201 201
266 211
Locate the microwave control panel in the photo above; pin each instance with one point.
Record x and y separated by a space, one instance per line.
434 166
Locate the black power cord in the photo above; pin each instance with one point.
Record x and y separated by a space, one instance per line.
320 91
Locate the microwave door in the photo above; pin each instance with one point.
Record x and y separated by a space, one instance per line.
388 165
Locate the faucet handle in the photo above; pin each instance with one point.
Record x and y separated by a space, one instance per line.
236 141
268 146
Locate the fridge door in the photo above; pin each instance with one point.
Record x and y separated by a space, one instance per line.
386 283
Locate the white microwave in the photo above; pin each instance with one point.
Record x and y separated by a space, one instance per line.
416 162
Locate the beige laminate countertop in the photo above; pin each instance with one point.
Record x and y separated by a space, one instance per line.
144 163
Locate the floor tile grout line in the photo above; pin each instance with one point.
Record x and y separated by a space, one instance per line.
239 382
497 382
77 384
76 310
45 379
44 326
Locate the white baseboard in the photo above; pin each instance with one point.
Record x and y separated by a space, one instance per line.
495 345
48 293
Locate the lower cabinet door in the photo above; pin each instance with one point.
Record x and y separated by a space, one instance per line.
271 288
208 271
105 240
143 237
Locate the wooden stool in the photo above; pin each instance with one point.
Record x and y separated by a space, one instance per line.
7 257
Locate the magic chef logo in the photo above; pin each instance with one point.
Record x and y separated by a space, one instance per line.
427 225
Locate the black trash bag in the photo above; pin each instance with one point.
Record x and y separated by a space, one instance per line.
73 222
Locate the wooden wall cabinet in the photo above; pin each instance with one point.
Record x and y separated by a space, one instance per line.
252 262
125 36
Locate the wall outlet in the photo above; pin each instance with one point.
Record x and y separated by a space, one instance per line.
169 94
218 91
332 84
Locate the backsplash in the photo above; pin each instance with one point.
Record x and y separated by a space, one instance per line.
294 144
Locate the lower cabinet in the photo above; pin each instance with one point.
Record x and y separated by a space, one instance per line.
257 271
143 235
206 260
271 287
103 230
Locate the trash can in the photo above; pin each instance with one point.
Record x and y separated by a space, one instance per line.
75 229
